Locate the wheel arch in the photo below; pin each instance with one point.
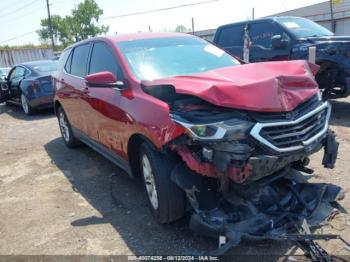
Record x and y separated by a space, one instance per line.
133 152
56 105
327 63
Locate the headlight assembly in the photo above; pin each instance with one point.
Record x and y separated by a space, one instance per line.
233 129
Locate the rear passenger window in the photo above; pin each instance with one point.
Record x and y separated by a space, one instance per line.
79 60
103 59
231 36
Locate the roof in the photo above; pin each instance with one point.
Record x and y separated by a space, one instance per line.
264 19
320 11
139 36
131 37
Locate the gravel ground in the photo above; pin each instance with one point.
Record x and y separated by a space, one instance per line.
55 200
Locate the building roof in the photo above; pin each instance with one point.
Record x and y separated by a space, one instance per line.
320 11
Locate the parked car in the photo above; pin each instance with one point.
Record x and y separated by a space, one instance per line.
289 38
4 72
29 85
199 127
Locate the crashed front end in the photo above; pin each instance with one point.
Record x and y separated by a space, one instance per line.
247 146
243 164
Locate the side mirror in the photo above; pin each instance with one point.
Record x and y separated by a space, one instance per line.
277 42
103 79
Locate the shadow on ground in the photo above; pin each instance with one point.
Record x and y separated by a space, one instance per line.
96 179
340 113
16 112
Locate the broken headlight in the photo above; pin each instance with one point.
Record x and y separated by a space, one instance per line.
233 129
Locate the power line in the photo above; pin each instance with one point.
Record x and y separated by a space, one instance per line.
11 5
30 12
117 16
19 9
17 37
160 9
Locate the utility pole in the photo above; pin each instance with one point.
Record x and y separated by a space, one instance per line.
332 16
192 25
50 25
253 13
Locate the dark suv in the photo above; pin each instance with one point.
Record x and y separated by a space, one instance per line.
196 125
289 38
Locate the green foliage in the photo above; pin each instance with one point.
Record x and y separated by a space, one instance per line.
81 24
181 29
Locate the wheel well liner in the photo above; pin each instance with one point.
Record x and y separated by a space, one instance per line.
57 104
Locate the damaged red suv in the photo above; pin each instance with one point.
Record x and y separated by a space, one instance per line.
200 128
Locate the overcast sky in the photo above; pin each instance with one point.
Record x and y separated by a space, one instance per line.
20 18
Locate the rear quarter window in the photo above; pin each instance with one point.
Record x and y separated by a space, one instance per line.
231 36
63 58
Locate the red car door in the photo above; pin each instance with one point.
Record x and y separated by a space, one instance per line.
73 86
102 114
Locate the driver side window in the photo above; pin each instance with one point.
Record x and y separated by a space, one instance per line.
261 34
17 73
103 59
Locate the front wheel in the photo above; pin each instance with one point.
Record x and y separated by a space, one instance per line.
166 199
27 109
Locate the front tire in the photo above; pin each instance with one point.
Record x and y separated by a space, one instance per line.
27 109
166 200
66 131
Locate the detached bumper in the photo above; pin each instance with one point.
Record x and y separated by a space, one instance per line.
282 207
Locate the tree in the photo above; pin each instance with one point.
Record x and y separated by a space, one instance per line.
44 33
181 29
81 24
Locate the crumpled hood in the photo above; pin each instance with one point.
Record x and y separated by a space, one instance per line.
267 86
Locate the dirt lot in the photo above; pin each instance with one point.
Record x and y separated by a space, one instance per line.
54 200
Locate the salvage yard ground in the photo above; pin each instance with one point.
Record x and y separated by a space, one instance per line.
54 200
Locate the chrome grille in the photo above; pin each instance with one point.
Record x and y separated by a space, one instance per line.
293 135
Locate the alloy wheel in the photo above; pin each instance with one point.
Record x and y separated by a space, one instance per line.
149 181
64 126
24 103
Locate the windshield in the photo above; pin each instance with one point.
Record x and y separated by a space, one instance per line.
165 57
46 67
303 28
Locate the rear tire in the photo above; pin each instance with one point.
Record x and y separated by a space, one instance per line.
27 109
66 130
166 200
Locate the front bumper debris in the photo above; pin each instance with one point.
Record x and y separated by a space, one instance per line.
330 151
281 207
236 162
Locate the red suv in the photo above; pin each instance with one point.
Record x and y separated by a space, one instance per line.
191 120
